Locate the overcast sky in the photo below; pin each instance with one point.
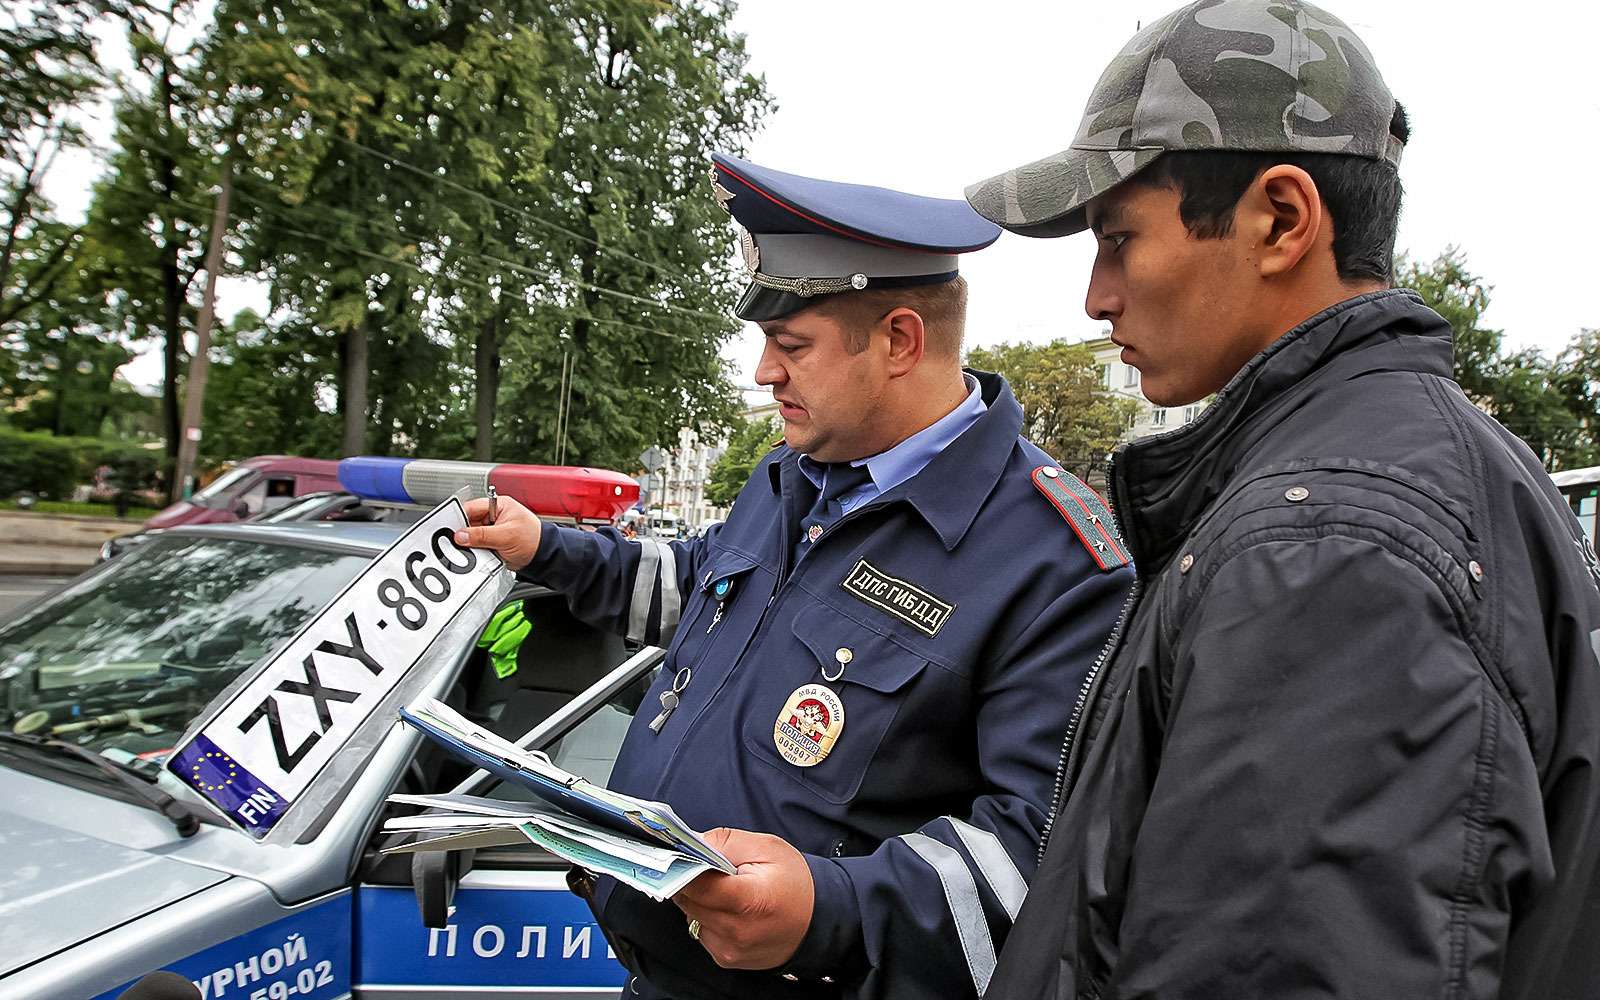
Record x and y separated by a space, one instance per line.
930 96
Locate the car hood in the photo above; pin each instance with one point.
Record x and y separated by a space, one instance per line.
59 887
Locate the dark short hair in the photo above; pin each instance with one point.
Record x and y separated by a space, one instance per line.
943 308
1362 195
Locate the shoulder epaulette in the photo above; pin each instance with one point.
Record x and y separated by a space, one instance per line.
1088 514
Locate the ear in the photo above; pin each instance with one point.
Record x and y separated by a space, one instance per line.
1287 220
905 339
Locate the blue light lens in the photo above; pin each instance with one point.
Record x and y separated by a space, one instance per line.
375 478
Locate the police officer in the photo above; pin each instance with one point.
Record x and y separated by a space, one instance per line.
871 662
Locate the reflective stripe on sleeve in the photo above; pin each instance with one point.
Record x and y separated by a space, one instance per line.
644 585
961 894
994 863
671 600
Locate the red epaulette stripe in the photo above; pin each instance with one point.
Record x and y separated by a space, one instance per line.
1101 524
1041 481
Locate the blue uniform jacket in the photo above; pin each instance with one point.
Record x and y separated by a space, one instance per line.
972 613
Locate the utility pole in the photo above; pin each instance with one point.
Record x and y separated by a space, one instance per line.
200 364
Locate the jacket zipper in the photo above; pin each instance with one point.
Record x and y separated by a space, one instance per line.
1087 692
1085 696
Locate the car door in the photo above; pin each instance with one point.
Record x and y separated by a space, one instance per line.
510 921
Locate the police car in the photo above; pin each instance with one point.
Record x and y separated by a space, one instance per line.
116 868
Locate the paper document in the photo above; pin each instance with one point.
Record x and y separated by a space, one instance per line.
642 844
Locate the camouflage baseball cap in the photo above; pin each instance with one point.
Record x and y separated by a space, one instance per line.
1256 75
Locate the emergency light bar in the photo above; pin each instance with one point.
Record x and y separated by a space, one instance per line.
595 496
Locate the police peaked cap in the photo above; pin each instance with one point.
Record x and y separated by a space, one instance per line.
803 237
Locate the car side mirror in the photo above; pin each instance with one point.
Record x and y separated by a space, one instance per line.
435 876
241 510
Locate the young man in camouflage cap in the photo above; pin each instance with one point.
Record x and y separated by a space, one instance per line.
1344 741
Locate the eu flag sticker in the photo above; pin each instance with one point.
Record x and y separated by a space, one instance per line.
228 785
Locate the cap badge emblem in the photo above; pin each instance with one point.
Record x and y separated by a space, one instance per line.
751 252
722 194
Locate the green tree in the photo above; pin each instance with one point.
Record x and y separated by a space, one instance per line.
747 445
1461 297
1066 411
1549 405
47 67
66 355
271 391
369 136
624 350
1576 378
148 222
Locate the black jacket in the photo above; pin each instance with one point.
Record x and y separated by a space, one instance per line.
1343 743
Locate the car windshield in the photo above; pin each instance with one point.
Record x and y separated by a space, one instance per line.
123 660
220 486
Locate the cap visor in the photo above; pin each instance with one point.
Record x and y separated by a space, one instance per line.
760 303
1047 197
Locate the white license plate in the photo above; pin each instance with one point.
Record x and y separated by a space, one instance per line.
262 749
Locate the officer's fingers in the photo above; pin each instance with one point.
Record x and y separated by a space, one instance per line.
723 949
477 511
702 894
500 537
743 847
717 837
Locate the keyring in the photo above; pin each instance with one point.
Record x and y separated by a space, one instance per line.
680 680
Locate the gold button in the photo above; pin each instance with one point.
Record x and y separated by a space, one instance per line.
1050 473
843 654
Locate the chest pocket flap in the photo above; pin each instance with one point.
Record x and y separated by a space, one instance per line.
717 586
723 566
873 677
870 658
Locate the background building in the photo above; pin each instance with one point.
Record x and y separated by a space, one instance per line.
1124 381
679 486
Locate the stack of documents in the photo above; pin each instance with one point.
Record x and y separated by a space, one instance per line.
642 844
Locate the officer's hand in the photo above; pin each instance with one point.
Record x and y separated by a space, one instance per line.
514 535
757 918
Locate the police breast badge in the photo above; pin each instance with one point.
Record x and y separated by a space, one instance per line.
809 725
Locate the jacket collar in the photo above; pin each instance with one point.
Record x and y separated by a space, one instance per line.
950 490
1162 484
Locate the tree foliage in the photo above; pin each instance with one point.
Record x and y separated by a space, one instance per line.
747 445
1066 411
1552 405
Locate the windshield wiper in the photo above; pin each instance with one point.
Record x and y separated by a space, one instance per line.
183 816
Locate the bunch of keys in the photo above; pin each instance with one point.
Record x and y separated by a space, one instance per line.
669 698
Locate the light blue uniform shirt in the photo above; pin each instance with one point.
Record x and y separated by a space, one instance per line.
893 467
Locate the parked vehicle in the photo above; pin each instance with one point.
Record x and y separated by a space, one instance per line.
254 486
1581 487
120 869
